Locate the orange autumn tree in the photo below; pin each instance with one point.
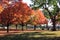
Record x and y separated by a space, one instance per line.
39 18
23 14
20 13
1 9
7 16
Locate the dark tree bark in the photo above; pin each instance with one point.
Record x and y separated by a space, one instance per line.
22 26
54 24
7 28
26 26
54 27
42 27
16 26
34 27
53 19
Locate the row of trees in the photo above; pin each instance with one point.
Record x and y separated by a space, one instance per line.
52 7
20 13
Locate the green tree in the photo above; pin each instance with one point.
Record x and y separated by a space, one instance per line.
46 14
51 6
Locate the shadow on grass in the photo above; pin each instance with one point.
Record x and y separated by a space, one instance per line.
26 36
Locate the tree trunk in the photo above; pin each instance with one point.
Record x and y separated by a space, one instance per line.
26 26
47 27
53 18
42 28
8 28
34 27
54 24
54 27
22 26
16 26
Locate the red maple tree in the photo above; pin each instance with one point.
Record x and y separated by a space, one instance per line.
39 18
23 12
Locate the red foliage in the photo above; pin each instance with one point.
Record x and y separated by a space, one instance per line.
24 12
7 16
21 13
39 18
1 8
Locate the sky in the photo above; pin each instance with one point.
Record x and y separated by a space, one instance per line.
27 1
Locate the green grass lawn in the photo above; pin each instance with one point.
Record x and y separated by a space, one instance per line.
43 35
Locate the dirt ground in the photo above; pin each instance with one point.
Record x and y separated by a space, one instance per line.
3 32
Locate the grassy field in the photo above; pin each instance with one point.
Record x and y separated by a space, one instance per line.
33 35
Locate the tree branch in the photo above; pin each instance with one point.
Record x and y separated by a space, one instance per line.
49 13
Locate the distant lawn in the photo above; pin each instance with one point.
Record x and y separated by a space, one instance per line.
43 35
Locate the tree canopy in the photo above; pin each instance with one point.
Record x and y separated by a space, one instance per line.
52 5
